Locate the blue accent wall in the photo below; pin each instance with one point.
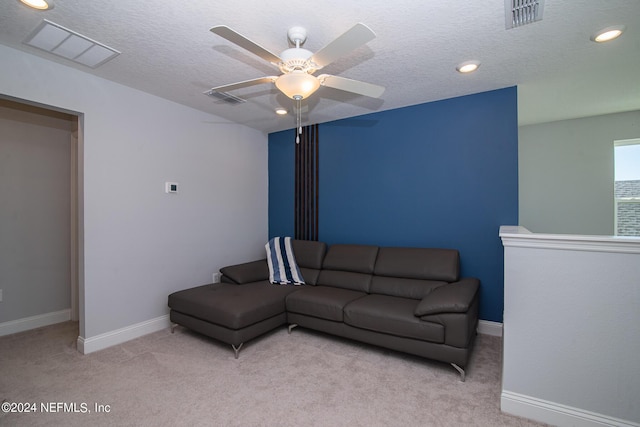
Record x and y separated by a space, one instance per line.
442 174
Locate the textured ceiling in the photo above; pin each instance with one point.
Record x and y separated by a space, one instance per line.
167 50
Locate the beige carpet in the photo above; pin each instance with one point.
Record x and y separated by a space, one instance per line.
302 379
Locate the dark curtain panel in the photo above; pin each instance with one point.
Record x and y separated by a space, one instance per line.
306 185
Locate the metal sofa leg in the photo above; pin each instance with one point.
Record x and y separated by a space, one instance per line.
173 327
291 326
460 370
236 350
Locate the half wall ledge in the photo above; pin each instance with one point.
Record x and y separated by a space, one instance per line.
570 310
518 236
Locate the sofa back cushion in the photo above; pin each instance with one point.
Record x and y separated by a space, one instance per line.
309 256
405 288
349 267
419 263
354 258
345 280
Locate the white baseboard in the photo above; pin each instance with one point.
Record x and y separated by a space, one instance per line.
33 322
488 327
555 413
108 339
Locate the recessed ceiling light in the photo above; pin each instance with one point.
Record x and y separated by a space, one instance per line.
281 111
39 4
608 33
468 66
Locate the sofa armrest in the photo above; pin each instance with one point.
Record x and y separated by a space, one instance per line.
454 297
247 272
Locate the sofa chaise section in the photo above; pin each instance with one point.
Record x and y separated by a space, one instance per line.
244 305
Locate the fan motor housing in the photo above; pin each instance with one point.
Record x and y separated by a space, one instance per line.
297 59
297 35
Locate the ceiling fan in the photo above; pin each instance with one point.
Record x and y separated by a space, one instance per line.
298 65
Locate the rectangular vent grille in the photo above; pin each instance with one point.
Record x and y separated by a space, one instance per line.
522 12
61 41
225 97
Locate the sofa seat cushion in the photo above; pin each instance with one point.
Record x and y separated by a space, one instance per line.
232 306
392 315
324 302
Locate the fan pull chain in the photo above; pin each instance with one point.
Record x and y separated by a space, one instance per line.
298 100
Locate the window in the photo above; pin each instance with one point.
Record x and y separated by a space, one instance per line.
627 187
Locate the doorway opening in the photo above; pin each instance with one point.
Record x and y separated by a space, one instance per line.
41 216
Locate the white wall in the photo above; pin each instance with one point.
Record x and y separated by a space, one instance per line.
35 155
140 244
571 336
566 173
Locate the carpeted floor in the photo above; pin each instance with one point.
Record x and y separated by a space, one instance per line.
184 379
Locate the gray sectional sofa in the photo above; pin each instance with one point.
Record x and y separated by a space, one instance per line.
406 299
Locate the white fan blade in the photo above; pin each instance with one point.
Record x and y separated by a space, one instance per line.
358 35
246 83
240 40
348 85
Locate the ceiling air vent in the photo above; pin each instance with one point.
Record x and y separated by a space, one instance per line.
225 97
61 41
522 12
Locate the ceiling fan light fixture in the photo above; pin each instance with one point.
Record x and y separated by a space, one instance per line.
38 4
281 111
298 65
468 67
297 84
607 34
